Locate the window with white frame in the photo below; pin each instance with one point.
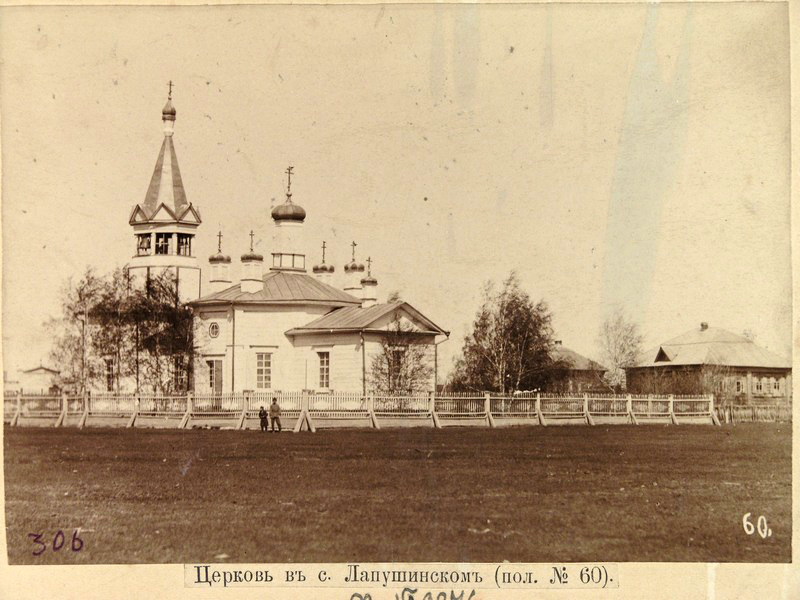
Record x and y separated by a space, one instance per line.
776 384
143 244
759 385
263 370
739 386
184 244
324 369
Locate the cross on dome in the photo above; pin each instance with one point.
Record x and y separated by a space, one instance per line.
252 237
219 242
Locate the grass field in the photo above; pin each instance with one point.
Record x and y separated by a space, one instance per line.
622 493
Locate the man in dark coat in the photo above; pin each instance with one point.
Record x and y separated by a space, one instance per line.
275 414
262 416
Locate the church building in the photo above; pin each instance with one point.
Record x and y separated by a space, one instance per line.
276 326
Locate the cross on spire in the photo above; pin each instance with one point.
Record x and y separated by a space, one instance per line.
354 250
252 236
289 170
169 96
369 265
219 242
323 252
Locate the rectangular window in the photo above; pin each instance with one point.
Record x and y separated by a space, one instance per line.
776 384
324 369
181 379
110 375
396 358
184 244
739 386
214 376
263 370
143 244
759 385
162 243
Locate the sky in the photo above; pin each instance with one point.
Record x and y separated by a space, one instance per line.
632 156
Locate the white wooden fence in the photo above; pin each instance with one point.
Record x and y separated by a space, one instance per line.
303 410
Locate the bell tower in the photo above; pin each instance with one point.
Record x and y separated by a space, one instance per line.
165 223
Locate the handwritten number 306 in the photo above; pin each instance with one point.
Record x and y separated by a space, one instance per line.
58 542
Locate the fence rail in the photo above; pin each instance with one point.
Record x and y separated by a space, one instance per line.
234 409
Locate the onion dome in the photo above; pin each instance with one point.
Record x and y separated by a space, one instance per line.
369 280
288 211
320 269
168 112
354 267
331 268
219 257
251 256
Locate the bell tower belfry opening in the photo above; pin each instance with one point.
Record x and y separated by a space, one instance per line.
165 223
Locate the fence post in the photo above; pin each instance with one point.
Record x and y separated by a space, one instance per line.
371 408
63 414
245 406
132 420
539 414
672 417
586 414
187 415
629 406
15 420
85 415
434 417
487 407
713 410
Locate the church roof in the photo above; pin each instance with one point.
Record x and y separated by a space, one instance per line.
577 362
711 346
356 318
283 287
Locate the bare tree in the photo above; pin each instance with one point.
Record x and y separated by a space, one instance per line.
404 364
620 345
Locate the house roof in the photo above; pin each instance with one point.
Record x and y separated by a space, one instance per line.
356 318
711 346
577 362
283 287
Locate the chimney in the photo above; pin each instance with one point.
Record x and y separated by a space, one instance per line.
703 326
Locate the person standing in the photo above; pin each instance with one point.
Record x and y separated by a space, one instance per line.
275 414
262 416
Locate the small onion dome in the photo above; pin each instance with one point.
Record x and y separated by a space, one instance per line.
354 267
320 269
331 268
369 280
289 211
168 112
219 257
252 256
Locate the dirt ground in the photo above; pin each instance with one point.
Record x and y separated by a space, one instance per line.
532 494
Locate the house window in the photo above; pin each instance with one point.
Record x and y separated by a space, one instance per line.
739 386
213 330
759 385
324 369
214 376
184 244
143 244
110 375
776 384
181 375
162 243
263 370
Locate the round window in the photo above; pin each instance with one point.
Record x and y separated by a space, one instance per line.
213 330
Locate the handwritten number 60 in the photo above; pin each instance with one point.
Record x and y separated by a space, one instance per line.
761 525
